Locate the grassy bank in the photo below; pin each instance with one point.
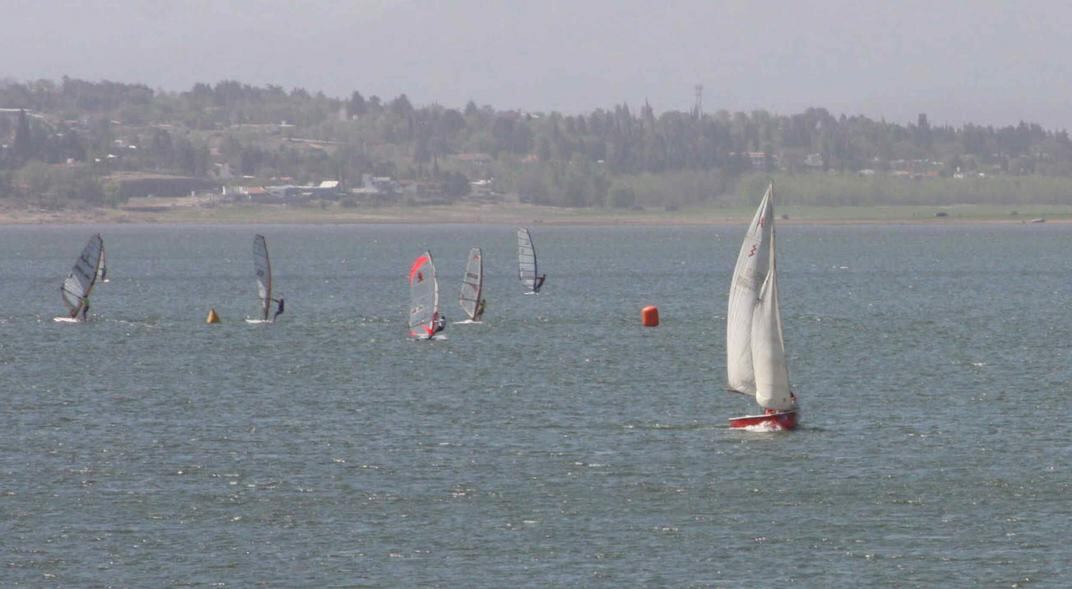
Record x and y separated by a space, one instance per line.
182 211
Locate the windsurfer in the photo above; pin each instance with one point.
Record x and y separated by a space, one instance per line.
85 309
479 309
539 282
440 323
279 307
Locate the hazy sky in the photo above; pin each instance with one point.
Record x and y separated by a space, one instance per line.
958 61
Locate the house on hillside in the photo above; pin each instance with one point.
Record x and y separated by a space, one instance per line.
377 186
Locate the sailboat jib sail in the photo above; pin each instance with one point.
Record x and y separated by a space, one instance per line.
526 261
79 283
263 269
424 298
755 345
768 348
471 296
748 276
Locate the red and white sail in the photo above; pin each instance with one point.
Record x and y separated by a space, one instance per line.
424 297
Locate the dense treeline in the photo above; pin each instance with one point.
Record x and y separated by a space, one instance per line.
62 138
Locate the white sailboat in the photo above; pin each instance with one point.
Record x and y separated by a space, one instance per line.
471 297
755 347
425 321
79 282
262 267
527 270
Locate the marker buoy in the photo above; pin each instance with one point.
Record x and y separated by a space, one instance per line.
649 316
212 316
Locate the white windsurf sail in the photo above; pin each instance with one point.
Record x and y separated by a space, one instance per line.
526 260
472 284
79 283
424 297
263 268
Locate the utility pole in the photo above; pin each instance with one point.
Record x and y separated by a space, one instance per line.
697 111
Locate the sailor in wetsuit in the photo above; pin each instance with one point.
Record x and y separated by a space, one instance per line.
279 307
538 283
439 323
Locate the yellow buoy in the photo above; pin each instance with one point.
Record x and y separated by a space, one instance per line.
212 316
649 316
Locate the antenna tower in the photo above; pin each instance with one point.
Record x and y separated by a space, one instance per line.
698 109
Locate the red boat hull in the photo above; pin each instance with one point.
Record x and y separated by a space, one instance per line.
780 420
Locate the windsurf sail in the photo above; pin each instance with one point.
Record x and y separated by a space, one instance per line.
526 260
102 266
472 284
424 297
263 269
79 283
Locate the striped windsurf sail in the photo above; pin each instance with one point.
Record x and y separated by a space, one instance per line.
424 296
79 283
526 259
263 269
472 283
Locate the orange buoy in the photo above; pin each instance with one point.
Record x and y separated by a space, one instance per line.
649 316
212 316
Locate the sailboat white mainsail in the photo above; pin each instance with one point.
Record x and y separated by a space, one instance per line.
424 298
472 291
755 346
79 283
263 268
526 261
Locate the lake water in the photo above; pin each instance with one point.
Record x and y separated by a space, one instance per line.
558 444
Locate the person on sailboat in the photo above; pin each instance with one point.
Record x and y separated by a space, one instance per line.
538 283
479 312
280 302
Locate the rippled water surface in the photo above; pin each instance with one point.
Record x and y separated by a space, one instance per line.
557 444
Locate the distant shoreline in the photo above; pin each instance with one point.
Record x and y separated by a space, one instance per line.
175 212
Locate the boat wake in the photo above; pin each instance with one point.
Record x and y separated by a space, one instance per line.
765 427
258 321
468 322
